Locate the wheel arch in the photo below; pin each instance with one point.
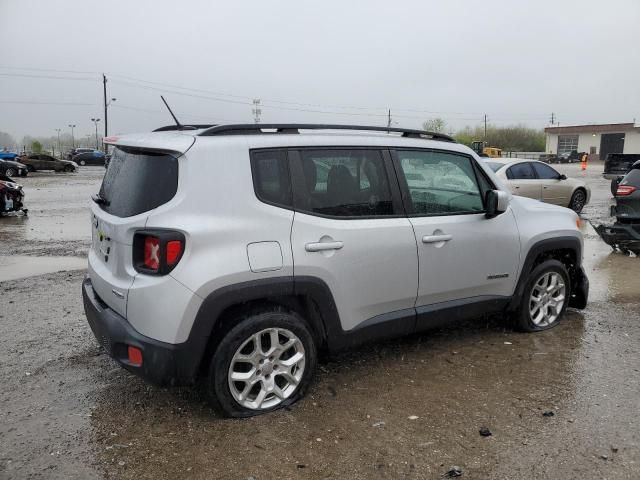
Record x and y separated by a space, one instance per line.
310 297
567 250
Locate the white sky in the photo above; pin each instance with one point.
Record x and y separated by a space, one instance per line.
516 61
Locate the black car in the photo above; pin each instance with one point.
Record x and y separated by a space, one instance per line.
95 158
616 166
10 168
625 233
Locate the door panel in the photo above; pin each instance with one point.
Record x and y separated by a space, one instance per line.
350 231
554 190
461 253
523 182
370 265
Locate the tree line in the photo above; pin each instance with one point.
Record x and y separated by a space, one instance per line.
512 138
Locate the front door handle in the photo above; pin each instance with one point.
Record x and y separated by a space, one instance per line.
436 238
322 246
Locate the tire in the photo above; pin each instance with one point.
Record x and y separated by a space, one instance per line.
578 200
68 168
30 168
242 398
527 318
10 172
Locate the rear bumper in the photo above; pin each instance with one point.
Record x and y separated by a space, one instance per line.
163 363
620 235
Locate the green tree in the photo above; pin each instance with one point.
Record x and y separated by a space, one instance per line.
36 146
437 125
513 138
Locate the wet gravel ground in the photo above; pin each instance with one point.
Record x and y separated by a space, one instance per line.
408 408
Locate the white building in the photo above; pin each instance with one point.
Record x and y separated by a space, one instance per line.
596 140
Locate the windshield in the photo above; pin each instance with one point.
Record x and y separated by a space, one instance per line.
137 181
495 166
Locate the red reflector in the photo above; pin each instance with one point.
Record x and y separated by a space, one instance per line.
624 190
152 253
174 249
135 356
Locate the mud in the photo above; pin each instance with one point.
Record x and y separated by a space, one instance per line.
68 411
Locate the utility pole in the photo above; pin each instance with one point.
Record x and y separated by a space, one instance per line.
553 118
95 122
389 119
59 147
106 119
73 141
256 110
485 127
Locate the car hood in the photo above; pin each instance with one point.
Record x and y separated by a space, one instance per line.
536 205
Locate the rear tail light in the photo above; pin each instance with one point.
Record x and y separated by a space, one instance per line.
624 190
134 355
157 252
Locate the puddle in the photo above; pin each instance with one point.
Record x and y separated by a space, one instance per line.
13 267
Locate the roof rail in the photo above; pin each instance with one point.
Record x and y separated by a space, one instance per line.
170 128
284 128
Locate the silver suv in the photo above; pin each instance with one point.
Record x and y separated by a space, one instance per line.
236 253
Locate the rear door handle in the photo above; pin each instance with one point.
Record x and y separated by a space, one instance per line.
436 238
322 246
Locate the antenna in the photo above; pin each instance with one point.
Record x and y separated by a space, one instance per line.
174 117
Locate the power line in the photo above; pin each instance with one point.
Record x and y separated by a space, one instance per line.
53 77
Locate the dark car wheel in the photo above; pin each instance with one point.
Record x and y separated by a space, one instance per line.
578 199
30 168
68 168
265 362
545 297
10 172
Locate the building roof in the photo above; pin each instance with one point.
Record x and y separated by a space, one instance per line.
595 128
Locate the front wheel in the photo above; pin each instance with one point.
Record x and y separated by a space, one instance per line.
68 168
545 297
264 363
578 200
10 172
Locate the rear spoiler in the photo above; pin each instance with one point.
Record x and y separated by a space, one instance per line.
159 142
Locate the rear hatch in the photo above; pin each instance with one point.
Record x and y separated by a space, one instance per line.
136 182
619 164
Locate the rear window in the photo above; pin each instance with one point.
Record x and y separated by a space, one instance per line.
137 181
632 178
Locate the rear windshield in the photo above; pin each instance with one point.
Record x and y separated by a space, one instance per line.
632 178
137 181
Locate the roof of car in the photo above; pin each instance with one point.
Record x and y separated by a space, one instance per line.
509 161
288 135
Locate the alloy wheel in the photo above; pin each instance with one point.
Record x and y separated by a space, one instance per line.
577 202
266 369
547 299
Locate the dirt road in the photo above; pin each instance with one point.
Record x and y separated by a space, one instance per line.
409 408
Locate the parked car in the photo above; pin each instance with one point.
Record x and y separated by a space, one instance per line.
616 166
624 234
41 161
11 196
211 221
77 151
11 168
537 180
90 158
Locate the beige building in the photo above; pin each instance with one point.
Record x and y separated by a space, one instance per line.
596 140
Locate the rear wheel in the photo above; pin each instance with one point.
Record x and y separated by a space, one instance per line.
578 200
30 168
264 363
545 297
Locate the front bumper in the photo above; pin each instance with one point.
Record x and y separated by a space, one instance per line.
624 236
163 363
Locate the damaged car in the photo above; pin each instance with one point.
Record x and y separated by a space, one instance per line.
11 196
624 234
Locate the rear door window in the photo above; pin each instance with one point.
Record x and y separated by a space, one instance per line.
521 171
343 183
545 172
137 181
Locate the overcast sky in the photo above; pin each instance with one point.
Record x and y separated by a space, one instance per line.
322 61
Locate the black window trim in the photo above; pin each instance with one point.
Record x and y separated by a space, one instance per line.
254 178
404 186
297 181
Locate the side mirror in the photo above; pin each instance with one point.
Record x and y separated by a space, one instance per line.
496 202
562 177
